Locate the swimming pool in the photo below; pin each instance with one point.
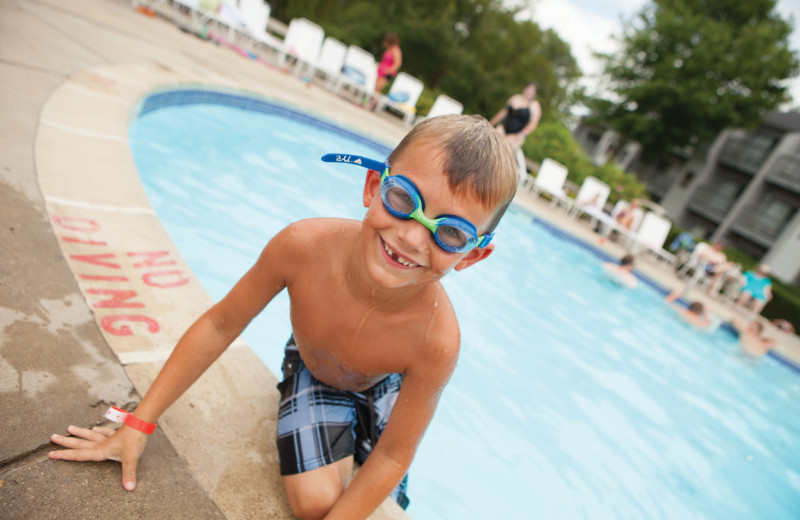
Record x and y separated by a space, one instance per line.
573 398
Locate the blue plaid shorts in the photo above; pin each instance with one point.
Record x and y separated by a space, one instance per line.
319 425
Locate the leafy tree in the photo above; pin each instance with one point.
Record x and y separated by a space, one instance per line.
473 50
690 68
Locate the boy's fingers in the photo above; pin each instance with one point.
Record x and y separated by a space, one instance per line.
129 473
77 455
85 433
71 442
102 430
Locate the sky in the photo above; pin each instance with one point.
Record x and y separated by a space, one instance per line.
587 25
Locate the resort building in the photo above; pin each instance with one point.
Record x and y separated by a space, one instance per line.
743 190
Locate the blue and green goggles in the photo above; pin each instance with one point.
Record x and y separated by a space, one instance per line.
402 199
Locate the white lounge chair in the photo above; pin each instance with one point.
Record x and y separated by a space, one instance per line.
550 179
592 194
403 96
652 234
359 73
443 105
609 225
255 17
303 42
330 60
227 17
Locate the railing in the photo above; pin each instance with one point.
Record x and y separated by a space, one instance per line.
786 172
707 202
657 182
754 224
742 155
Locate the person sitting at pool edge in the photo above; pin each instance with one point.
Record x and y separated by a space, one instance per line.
621 273
695 314
752 344
374 335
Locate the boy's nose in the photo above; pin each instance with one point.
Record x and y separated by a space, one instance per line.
414 234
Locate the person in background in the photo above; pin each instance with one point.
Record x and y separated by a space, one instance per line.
752 345
520 116
695 314
757 290
389 65
784 325
621 273
627 216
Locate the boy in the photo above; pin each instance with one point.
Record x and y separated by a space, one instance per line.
621 273
695 314
752 345
374 334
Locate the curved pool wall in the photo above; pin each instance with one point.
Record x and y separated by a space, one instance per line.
119 231
141 292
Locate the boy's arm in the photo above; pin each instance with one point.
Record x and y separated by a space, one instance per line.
419 395
204 341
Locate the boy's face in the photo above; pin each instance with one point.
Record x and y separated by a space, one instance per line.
403 252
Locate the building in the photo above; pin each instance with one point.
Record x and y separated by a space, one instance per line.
742 190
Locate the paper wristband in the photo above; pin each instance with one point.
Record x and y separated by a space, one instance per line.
122 416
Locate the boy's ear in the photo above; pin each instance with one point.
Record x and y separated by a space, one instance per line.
372 184
474 256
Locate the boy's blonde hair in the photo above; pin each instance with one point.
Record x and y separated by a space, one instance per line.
475 157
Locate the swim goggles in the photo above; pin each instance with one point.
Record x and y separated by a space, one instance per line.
402 199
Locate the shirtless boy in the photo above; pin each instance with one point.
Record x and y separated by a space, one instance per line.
695 314
621 273
374 334
752 344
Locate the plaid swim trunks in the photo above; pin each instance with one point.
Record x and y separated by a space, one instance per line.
319 425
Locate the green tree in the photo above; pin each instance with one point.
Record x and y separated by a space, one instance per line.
690 68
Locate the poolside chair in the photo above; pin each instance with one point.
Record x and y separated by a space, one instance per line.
403 97
255 17
443 105
592 194
550 179
610 225
227 16
330 60
651 235
302 43
359 73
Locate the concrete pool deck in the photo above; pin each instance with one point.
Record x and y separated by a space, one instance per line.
93 295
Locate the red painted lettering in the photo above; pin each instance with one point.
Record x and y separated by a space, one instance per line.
95 259
103 278
109 324
117 299
178 278
82 241
152 259
76 223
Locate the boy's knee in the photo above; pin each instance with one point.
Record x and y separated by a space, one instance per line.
313 503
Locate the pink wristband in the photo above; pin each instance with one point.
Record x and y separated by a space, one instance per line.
122 416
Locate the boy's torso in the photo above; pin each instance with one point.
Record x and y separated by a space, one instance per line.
344 340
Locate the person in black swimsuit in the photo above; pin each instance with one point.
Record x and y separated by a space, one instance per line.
519 117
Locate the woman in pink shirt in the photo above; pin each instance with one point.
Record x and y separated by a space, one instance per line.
390 62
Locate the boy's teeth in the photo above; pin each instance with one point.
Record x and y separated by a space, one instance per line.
397 258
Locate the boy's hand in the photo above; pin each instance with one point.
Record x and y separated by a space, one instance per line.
124 445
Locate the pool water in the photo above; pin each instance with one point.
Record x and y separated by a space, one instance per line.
573 398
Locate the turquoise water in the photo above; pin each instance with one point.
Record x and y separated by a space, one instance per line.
573 398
